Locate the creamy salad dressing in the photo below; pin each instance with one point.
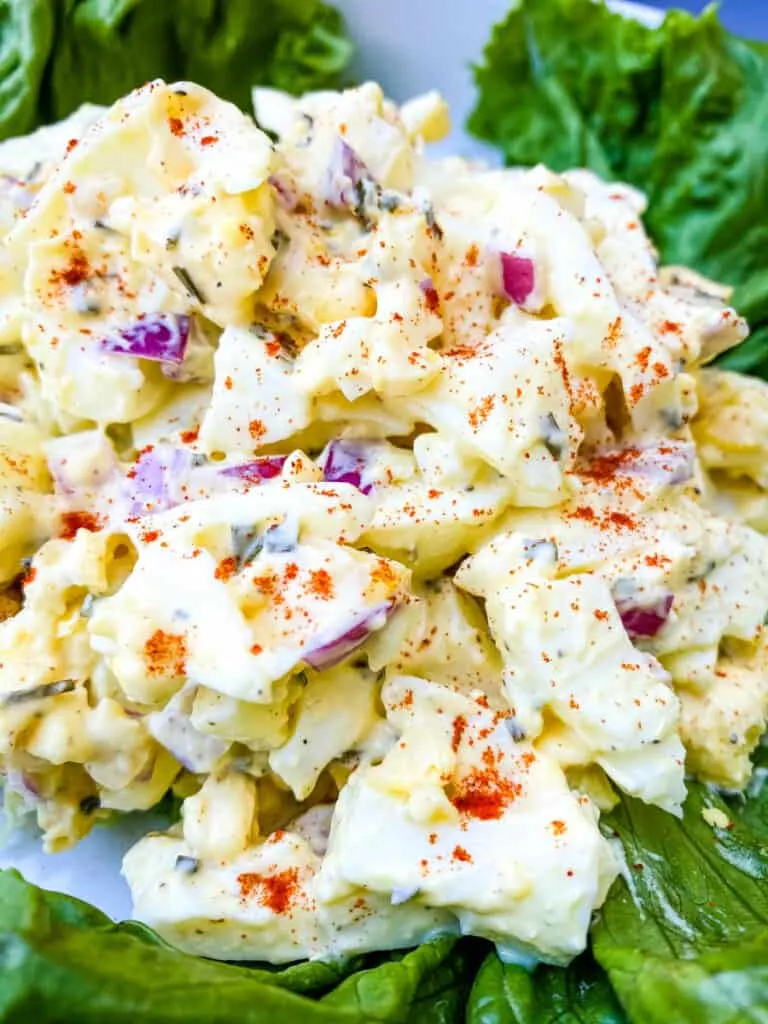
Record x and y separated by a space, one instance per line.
379 507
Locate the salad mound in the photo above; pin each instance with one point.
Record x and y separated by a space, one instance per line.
399 520
366 502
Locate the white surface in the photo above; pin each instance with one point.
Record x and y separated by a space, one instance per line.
91 871
410 46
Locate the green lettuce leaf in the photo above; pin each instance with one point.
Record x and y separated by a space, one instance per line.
509 994
726 986
686 937
752 807
680 111
25 43
435 980
57 54
62 960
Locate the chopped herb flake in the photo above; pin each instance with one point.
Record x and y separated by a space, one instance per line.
189 284
39 692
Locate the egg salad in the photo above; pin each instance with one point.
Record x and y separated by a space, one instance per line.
377 507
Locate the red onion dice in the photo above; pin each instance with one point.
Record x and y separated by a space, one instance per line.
156 480
517 277
345 173
286 194
670 462
643 620
264 468
24 785
356 633
346 462
161 337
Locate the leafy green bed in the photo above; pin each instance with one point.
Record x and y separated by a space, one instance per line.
681 112
57 54
685 941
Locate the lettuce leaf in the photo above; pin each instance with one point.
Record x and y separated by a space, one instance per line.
726 986
686 937
680 111
62 960
509 994
752 806
25 44
57 54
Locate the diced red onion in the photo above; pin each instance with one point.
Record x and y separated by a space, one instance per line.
670 462
24 785
155 481
161 337
517 276
345 462
264 468
644 620
345 172
285 194
356 633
